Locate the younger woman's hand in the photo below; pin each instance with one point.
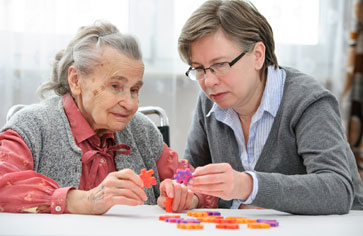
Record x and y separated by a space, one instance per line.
221 180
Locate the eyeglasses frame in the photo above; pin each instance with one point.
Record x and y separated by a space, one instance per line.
234 61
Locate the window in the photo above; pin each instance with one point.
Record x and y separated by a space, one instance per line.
293 22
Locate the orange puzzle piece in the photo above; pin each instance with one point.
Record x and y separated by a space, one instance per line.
197 213
241 220
226 221
258 225
168 204
227 226
168 217
147 178
190 226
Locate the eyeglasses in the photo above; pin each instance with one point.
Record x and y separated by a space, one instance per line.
219 69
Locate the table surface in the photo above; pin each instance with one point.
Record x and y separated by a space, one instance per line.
144 220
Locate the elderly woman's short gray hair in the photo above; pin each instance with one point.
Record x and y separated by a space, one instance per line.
81 53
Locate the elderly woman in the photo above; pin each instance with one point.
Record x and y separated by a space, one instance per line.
89 136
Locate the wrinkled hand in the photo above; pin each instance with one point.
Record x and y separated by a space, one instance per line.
183 198
122 187
222 181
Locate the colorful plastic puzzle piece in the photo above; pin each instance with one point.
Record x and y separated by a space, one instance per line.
190 226
240 219
272 223
248 221
168 204
147 178
174 220
226 221
186 221
183 175
168 216
227 226
258 226
213 213
197 213
209 219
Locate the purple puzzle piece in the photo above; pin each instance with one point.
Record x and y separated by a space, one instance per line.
187 221
213 213
183 175
272 223
174 220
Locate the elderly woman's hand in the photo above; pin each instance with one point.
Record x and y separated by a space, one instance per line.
123 187
221 180
183 198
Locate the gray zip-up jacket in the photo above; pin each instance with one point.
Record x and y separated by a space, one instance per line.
47 133
306 165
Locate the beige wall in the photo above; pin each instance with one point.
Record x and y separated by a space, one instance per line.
177 95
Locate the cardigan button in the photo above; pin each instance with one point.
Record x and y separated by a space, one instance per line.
58 208
102 161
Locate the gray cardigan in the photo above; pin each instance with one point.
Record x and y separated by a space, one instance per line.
306 165
46 131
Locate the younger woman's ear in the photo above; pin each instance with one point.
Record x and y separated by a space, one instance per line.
259 53
73 81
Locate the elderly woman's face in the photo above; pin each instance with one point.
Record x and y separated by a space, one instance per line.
109 96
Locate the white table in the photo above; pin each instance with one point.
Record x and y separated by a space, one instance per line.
144 220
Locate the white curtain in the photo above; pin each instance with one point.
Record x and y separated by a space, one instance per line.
310 35
32 31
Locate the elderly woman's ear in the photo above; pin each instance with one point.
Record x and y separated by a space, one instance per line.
73 80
